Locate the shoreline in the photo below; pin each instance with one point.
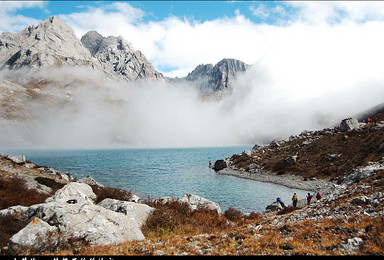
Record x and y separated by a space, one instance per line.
290 181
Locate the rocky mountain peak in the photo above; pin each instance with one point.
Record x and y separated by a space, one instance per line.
118 56
51 43
219 77
54 44
92 40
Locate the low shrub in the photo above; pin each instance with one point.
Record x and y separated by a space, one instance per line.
286 210
15 192
112 193
10 225
50 183
233 215
176 218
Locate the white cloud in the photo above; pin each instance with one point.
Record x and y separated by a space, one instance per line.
323 64
183 43
111 19
263 12
338 11
9 22
260 11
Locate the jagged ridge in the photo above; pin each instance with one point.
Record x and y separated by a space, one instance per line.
53 43
218 77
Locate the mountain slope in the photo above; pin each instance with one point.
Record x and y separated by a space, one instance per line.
51 43
211 78
54 44
117 55
329 154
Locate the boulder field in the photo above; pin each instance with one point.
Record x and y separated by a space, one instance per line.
71 214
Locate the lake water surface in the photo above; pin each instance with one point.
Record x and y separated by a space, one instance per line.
165 172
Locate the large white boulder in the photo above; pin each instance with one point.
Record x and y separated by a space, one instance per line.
32 238
139 212
196 202
71 212
349 124
74 191
20 159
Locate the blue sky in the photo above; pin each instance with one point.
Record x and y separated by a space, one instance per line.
158 10
176 36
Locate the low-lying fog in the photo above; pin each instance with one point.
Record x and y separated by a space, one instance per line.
268 102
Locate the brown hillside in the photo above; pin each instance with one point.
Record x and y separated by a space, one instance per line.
326 154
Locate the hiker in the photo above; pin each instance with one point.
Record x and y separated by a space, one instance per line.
318 196
375 120
294 200
309 198
210 164
281 202
369 120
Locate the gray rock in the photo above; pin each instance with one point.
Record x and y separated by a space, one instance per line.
219 165
211 78
255 148
90 222
349 124
90 181
80 192
247 153
72 211
274 207
135 198
51 43
361 173
360 200
274 144
139 212
353 244
118 56
14 210
33 237
332 157
291 160
167 199
19 159
196 202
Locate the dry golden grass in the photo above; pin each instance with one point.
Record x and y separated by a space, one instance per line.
322 237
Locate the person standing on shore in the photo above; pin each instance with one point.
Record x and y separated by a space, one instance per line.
309 198
281 202
294 200
318 196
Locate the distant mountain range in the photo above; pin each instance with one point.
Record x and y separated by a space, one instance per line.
53 43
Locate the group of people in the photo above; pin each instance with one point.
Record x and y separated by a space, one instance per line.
309 197
372 120
295 199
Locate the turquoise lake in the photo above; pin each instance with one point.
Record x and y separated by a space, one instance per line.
166 172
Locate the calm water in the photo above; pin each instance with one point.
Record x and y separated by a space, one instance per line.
165 172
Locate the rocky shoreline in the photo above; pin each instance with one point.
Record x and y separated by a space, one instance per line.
289 180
